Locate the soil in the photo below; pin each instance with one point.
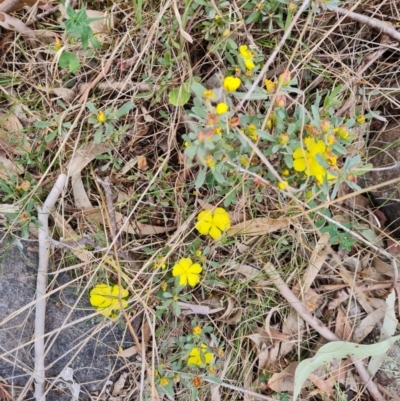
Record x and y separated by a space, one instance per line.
88 347
385 152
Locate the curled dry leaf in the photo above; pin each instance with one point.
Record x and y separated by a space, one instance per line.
83 156
367 325
259 226
9 169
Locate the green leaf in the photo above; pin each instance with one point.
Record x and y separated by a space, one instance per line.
201 176
91 107
198 89
337 350
70 61
339 149
98 136
42 124
125 109
179 96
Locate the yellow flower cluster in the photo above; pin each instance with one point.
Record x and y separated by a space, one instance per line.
200 356
305 160
247 56
105 298
231 84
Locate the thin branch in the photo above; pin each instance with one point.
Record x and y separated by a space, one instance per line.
373 23
41 286
318 326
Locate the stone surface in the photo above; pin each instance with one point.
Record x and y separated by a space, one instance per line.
87 346
384 149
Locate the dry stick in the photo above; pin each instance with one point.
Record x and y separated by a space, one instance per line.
43 217
273 55
305 314
373 23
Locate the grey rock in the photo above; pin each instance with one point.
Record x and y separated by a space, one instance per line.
87 346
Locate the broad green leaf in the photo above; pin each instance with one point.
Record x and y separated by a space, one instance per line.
337 350
179 96
70 61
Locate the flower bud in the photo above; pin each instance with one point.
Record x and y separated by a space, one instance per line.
325 126
292 7
280 101
211 119
360 119
283 139
284 78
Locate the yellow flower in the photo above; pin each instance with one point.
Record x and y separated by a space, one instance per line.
209 161
231 84
57 45
251 132
330 139
101 118
360 119
105 298
270 85
285 172
164 286
282 185
305 160
199 356
218 131
221 108
209 94
213 223
342 132
164 382
247 56
187 271
196 330
159 263
186 144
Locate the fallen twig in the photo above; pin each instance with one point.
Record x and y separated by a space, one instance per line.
318 326
43 217
373 23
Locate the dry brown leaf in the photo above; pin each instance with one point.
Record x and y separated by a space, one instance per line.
367 325
343 327
316 261
142 163
8 169
30 3
69 235
321 384
120 384
272 336
188 309
12 136
259 226
81 199
284 381
128 352
83 156
14 24
340 297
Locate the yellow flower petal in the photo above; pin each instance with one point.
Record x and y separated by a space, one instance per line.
221 219
300 164
215 232
249 64
195 268
192 279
